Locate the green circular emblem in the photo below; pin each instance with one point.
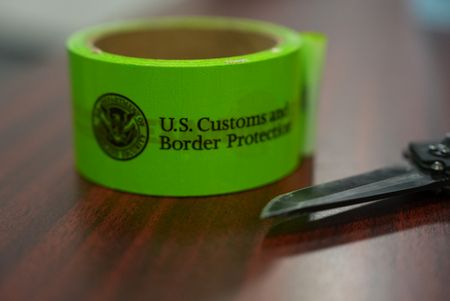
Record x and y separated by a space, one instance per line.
120 127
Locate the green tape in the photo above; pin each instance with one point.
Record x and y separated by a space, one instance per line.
192 106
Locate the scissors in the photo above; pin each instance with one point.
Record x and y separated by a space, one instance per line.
428 170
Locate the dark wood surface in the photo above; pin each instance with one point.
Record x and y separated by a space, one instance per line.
63 238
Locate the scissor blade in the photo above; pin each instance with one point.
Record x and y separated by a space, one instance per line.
362 188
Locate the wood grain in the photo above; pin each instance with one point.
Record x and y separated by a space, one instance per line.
63 238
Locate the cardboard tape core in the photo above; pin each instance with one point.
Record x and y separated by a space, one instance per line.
184 43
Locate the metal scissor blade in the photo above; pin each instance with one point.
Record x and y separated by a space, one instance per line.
362 188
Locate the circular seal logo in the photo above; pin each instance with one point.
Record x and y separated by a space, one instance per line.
120 127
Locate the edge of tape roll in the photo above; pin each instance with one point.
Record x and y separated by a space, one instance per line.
195 126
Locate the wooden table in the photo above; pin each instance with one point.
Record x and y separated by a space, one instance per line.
63 238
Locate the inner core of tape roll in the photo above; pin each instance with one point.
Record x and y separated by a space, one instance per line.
184 43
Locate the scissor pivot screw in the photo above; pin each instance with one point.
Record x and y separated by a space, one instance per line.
440 150
443 149
437 166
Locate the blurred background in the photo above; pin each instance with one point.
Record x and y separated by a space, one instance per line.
31 32
385 56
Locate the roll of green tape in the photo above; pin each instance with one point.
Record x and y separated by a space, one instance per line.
192 106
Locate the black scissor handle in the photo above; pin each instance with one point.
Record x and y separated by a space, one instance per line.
433 157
